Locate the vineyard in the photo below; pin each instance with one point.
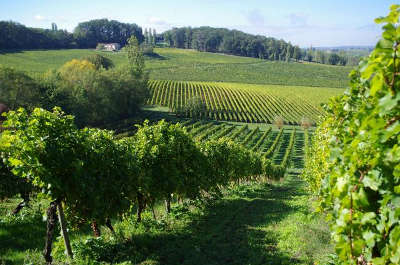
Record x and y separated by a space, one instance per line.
270 141
161 160
241 102
185 157
284 146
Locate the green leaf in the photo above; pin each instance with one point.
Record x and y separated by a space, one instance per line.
368 217
369 238
385 44
372 180
387 103
376 83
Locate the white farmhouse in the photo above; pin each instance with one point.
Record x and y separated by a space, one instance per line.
110 46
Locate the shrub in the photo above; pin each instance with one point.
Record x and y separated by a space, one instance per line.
278 121
17 89
99 61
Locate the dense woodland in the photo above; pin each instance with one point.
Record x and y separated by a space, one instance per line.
239 43
86 35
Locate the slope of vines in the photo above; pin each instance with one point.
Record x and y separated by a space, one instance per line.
270 143
239 102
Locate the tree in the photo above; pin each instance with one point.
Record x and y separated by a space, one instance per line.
296 53
99 61
333 59
146 36
16 36
278 121
135 57
17 89
289 53
168 38
154 37
89 34
54 27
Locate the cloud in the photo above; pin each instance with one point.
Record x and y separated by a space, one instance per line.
255 18
298 19
39 17
156 21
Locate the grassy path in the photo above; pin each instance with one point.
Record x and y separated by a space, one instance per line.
252 224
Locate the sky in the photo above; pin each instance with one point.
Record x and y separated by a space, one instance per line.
317 23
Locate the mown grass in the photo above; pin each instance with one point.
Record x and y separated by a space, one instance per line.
257 223
190 65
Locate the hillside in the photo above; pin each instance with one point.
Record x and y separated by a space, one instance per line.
244 102
190 65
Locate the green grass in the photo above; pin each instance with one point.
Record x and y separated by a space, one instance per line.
253 223
254 72
21 233
190 65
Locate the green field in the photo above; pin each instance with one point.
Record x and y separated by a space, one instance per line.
190 65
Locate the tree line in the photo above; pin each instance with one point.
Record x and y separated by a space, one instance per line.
243 44
86 35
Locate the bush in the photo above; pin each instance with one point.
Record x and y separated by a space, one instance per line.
17 89
147 49
94 97
99 61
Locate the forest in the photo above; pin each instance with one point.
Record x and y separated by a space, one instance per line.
243 44
86 35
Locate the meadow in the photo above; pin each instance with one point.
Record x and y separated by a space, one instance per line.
190 65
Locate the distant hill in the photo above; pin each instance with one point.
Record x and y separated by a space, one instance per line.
345 48
191 65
